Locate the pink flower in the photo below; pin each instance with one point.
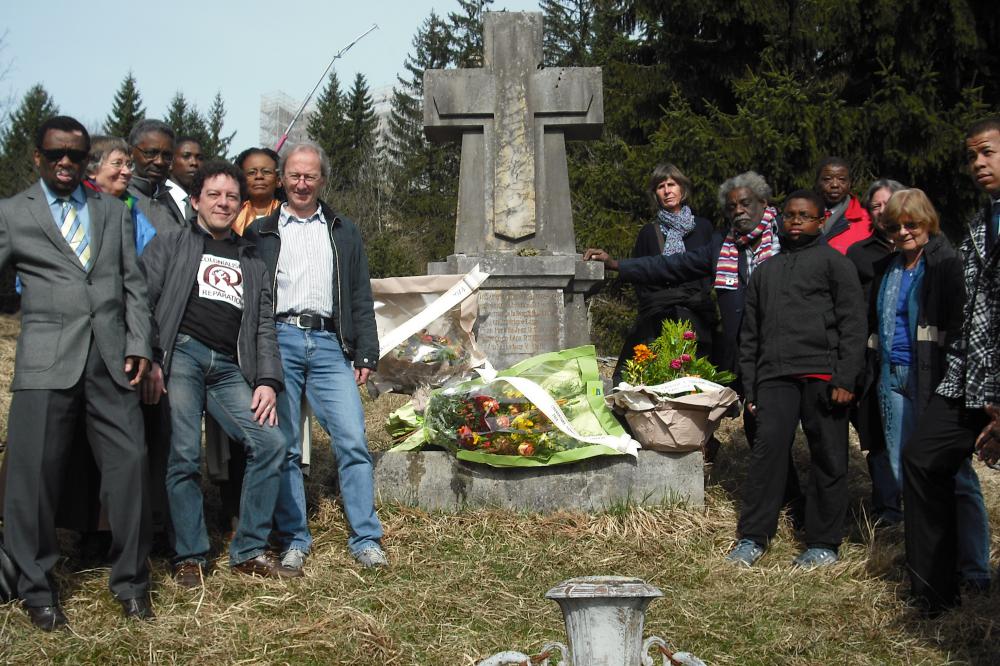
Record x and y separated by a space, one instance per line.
689 335
676 364
686 358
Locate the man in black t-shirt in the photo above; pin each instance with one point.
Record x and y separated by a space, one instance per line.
215 350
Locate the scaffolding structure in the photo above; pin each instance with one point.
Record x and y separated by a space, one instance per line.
276 111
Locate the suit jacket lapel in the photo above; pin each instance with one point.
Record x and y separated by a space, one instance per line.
38 207
97 208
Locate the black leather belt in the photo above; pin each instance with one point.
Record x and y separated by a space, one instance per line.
309 322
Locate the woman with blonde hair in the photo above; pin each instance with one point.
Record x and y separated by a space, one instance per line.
914 314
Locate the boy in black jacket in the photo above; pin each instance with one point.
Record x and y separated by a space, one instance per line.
802 346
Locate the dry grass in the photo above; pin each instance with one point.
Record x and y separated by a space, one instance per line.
466 585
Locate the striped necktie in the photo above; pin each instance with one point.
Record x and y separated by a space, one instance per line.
74 233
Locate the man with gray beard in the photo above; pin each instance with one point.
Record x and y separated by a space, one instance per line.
749 238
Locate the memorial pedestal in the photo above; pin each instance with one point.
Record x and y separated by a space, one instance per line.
436 481
529 305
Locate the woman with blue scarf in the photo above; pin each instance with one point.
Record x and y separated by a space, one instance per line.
674 231
916 311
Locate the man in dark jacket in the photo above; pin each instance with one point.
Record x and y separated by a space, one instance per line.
152 145
802 348
966 398
329 346
749 239
215 349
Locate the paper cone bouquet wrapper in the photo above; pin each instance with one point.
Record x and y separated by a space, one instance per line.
680 415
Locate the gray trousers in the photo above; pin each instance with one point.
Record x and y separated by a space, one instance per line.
41 430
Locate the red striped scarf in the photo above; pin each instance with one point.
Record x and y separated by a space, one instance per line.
727 272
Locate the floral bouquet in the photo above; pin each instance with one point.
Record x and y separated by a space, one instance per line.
431 357
672 399
545 410
671 356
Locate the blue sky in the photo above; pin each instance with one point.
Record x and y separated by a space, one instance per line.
81 52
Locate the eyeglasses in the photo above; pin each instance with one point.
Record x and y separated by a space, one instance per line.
119 164
799 216
909 226
310 178
267 173
167 155
56 154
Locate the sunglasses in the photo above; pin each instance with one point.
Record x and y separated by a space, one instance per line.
56 154
909 226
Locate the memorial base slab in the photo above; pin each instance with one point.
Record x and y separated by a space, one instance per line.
436 480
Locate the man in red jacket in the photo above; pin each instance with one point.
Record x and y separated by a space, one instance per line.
847 221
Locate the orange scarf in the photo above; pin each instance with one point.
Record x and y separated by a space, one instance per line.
247 215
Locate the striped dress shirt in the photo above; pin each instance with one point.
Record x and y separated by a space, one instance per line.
305 265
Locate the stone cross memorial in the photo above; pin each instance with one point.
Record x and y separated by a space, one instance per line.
514 216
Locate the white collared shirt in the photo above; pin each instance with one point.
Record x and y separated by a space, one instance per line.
178 194
305 265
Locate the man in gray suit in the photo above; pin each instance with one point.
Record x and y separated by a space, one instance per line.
84 347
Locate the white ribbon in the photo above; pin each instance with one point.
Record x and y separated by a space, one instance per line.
547 405
461 290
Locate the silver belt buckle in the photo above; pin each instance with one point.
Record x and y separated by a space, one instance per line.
296 320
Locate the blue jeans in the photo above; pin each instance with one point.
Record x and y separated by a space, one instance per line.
897 392
203 379
315 366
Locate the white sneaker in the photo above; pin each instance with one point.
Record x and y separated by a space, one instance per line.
293 558
371 557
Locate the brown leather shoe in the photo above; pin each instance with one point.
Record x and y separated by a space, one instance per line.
190 574
266 565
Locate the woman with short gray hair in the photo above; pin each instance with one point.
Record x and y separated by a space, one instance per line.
675 230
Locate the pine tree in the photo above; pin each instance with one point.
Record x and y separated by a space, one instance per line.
568 31
328 127
424 175
185 119
361 126
126 111
466 33
216 144
17 142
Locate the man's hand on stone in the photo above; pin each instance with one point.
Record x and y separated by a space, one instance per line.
136 364
361 375
988 442
596 254
152 385
265 405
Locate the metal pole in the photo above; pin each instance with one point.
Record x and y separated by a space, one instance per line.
284 137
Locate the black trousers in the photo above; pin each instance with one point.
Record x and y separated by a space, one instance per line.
945 437
781 404
793 497
41 429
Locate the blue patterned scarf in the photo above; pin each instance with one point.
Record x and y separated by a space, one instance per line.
675 226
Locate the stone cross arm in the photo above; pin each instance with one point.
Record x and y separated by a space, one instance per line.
462 100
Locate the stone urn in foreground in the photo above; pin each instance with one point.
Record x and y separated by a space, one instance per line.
604 618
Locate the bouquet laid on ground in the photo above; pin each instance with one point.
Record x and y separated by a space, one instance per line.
546 410
425 328
672 399
671 356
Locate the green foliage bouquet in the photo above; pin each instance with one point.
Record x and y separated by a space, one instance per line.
671 356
